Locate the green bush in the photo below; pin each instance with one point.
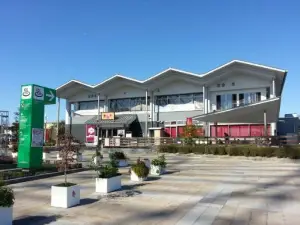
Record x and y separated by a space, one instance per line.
7 197
117 156
159 161
107 171
292 152
140 169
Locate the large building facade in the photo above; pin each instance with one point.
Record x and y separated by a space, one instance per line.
238 98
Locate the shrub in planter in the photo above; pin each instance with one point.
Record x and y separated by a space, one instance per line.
158 165
119 157
108 177
139 171
7 200
66 194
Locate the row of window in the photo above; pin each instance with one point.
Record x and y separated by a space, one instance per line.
228 101
164 102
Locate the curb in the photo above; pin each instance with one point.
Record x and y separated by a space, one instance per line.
43 176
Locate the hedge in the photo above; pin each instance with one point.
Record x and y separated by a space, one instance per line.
292 152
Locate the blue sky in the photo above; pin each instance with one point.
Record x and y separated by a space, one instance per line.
50 42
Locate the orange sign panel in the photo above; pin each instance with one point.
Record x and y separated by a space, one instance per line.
107 116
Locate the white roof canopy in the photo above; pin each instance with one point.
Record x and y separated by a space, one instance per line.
253 113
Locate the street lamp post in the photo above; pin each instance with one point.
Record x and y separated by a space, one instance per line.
98 131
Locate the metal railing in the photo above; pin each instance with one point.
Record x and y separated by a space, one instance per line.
140 142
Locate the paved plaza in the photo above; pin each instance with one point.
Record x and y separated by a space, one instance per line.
199 190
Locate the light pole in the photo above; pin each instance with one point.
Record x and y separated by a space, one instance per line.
98 131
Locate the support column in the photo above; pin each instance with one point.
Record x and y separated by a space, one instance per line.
106 133
204 99
152 108
58 113
274 129
146 121
68 117
98 123
265 124
273 88
106 104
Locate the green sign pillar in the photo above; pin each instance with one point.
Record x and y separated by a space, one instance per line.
31 127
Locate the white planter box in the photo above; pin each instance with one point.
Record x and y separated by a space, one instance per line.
147 163
58 157
14 155
78 157
122 162
6 215
96 160
45 156
157 170
65 197
134 177
104 185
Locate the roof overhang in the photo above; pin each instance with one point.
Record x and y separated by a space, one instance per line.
253 113
64 90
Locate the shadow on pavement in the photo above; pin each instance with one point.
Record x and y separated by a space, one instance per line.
36 220
87 201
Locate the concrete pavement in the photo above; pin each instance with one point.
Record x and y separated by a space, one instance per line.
196 190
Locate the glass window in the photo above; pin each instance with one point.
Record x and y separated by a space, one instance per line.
173 99
89 105
187 98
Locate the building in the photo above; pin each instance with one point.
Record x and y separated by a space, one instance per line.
239 98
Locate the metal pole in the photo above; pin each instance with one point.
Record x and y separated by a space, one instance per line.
265 124
57 131
98 133
146 123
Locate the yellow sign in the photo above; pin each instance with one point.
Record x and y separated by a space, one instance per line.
107 115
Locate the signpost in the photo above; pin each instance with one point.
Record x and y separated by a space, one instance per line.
31 128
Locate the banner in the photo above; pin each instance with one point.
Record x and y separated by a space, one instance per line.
189 121
90 133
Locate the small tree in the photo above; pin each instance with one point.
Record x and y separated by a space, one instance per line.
67 151
189 132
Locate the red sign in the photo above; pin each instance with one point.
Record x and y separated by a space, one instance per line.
107 116
189 121
90 133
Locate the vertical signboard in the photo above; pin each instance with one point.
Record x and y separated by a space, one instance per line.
90 133
31 128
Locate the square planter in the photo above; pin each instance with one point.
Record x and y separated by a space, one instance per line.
157 170
45 156
134 177
58 157
147 163
65 197
122 163
14 155
106 185
78 157
6 215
